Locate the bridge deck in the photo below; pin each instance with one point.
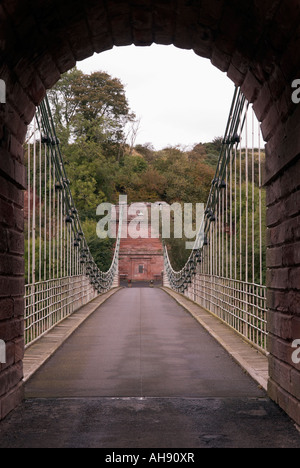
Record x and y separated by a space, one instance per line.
141 343
140 372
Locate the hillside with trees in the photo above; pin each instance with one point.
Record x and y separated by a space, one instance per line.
97 131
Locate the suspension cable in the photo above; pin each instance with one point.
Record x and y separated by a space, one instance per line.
180 280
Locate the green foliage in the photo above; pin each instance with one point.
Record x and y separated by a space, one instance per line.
85 165
91 113
93 107
244 237
178 254
212 159
101 249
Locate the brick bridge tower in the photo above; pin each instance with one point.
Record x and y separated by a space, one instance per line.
141 257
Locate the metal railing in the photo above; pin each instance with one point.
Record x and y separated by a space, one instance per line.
61 274
226 271
240 305
49 302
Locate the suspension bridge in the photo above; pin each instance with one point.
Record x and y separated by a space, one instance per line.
225 273
257 45
99 341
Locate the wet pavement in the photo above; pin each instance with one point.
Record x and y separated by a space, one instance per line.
141 372
149 423
141 343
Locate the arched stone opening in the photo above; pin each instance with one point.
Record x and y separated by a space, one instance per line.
254 42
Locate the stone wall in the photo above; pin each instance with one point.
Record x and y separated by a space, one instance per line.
255 42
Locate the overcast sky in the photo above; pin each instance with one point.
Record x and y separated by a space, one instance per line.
180 97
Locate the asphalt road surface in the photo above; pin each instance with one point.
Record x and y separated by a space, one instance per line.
142 373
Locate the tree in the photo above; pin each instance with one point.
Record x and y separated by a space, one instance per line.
132 134
91 174
102 250
147 151
90 106
98 133
64 106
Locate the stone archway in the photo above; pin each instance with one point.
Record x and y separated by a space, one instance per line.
255 42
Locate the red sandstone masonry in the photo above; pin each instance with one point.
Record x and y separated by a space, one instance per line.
221 60
263 102
283 151
284 399
235 75
11 400
6 308
279 278
287 232
9 265
290 60
284 324
275 257
11 193
63 55
12 329
283 209
281 373
281 350
10 377
286 184
251 87
295 384
293 302
286 301
291 254
257 43
13 170
270 123
280 323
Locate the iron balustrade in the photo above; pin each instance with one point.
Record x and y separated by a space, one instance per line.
226 270
49 302
61 274
240 305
